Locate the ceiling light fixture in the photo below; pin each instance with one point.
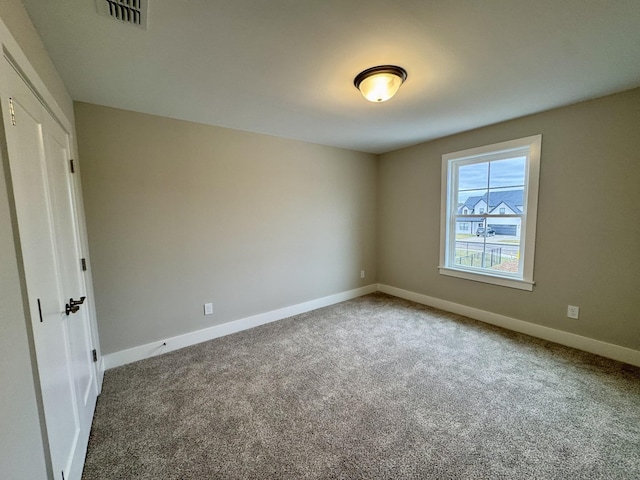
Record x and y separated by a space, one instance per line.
379 84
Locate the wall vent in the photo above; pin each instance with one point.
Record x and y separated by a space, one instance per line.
132 12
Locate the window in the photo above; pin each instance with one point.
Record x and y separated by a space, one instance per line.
504 174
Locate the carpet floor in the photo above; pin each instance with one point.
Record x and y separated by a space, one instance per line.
372 388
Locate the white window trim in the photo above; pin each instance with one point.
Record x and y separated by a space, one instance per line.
527 239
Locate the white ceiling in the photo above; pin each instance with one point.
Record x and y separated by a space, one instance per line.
286 67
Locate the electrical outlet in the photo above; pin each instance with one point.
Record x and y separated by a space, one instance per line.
208 308
573 311
361 273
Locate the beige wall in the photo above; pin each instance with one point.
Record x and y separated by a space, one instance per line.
22 451
180 214
588 233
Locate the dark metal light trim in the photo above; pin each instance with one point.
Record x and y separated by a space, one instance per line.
393 69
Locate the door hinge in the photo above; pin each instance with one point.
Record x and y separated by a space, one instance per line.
95 355
83 262
72 166
12 112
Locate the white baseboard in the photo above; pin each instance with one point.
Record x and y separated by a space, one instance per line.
141 352
586 344
598 347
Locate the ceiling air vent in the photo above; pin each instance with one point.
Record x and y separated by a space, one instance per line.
133 12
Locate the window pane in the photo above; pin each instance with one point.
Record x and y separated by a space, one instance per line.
503 249
473 177
492 252
510 199
472 201
469 251
508 173
465 228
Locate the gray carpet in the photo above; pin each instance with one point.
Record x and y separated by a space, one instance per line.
372 388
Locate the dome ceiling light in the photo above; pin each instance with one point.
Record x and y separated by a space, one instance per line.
379 84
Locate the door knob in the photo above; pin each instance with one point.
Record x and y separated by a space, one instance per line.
73 306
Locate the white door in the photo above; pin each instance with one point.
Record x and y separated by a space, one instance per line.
57 155
38 150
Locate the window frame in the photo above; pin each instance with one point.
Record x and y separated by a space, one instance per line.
449 201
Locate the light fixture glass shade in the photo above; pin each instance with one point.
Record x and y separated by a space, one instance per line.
379 84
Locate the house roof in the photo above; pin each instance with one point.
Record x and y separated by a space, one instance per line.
511 198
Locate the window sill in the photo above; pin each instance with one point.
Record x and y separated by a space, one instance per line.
484 278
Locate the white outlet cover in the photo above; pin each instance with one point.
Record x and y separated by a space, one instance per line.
208 308
573 311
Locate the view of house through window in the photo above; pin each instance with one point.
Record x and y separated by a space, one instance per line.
489 213
492 188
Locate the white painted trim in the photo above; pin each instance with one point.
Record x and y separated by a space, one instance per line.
486 278
141 352
17 57
100 374
586 344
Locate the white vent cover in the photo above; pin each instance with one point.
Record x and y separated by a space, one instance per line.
133 12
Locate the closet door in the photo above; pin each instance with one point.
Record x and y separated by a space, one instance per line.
38 151
65 222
